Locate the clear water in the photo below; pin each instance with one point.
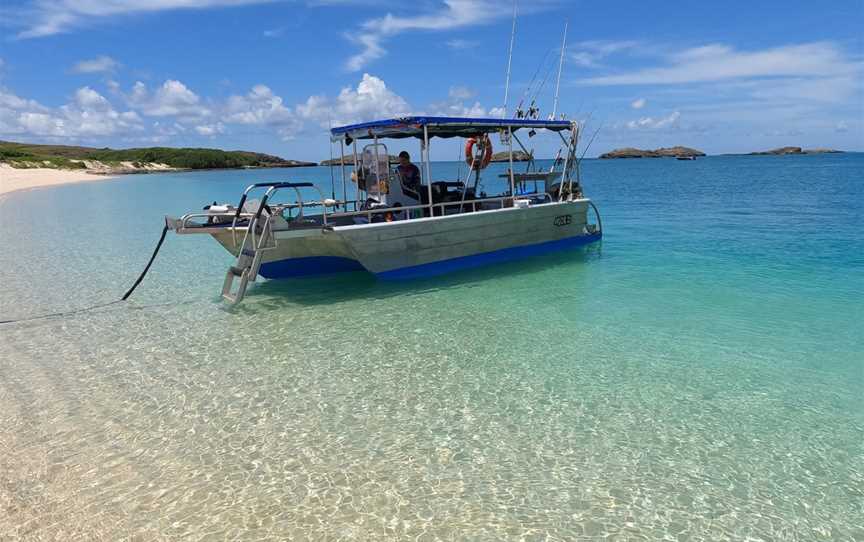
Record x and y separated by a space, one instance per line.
698 376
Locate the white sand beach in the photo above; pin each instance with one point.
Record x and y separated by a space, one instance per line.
14 179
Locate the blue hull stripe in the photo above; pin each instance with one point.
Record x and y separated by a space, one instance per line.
311 265
325 265
487 258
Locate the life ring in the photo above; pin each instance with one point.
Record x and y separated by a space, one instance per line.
485 144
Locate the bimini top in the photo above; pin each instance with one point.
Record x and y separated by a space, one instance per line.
439 127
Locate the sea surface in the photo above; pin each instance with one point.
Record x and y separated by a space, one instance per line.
698 375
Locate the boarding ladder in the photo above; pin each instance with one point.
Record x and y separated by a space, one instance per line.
257 240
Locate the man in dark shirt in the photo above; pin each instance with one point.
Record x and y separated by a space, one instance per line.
409 175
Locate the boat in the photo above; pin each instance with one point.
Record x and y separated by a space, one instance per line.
398 230
685 157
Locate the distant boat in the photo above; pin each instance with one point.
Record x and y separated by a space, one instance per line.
685 157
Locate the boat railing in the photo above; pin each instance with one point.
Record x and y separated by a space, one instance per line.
444 204
187 223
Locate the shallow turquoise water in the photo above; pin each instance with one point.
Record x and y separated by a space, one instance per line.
697 376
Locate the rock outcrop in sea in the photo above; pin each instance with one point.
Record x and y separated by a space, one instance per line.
504 156
794 150
349 160
518 156
668 152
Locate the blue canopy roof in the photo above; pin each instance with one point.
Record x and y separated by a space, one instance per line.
440 127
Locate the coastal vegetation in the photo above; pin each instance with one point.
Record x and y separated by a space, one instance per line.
106 160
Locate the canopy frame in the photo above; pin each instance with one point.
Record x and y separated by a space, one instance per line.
444 127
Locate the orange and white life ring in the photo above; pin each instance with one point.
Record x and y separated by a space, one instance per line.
486 148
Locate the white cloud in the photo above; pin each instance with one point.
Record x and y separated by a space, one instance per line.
650 123
210 129
638 104
841 126
48 17
457 108
179 110
453 14
461 93
97 65
372 50
459 44
259 106
370 100
262 107
455 105
718 62
89 114
588 54
173 98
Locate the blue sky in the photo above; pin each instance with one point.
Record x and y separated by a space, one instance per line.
271 75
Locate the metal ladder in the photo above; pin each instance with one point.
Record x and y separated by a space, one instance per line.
248 258
254 243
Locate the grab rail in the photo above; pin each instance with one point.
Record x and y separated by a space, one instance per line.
270 186
597 214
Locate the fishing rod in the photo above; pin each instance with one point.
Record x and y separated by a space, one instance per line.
533 78
560 67
509 62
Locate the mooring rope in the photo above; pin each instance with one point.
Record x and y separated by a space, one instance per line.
100 305
152 257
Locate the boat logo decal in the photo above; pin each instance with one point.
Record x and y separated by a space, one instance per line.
563 220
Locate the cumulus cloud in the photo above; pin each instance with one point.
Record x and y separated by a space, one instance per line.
173 98
638 104
456 106
88 114
259 106
176 109
370 100
99 64
650 123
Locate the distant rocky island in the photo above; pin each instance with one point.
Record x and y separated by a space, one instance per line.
518 156
687 152
664 152
349 160
144 160
793 150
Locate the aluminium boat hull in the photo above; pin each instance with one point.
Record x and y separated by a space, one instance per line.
425 247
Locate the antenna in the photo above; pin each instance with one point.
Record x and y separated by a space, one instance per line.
509 61
560 66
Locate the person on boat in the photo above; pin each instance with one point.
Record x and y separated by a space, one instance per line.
409 175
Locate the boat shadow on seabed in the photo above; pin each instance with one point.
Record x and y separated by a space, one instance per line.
325 290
